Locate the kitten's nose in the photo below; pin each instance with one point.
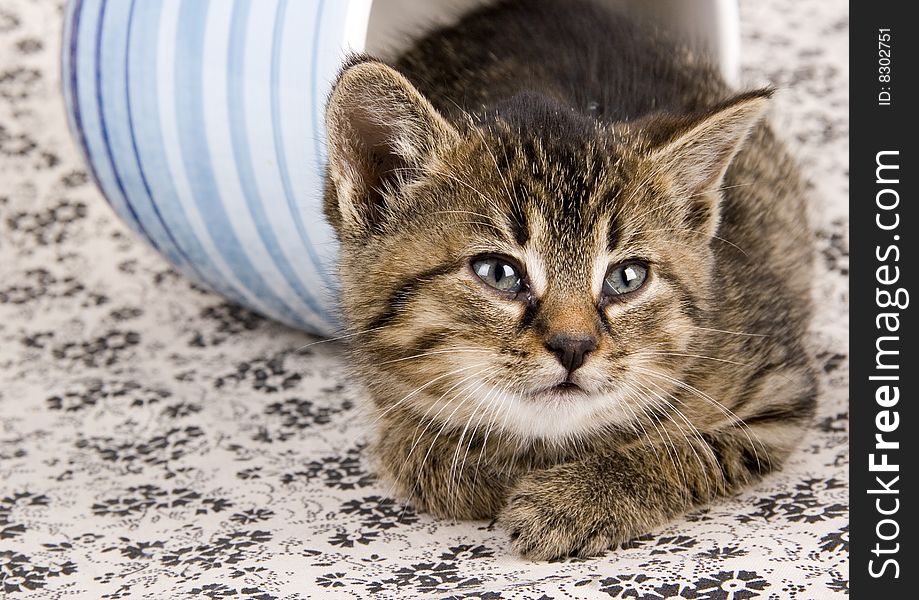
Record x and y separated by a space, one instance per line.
570 349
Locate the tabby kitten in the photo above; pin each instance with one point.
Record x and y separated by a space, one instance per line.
576 270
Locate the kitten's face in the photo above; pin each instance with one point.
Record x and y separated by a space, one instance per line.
538 272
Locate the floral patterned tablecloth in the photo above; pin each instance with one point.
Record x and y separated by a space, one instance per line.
157 442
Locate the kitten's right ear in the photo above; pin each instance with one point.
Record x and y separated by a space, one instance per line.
381 132
700 150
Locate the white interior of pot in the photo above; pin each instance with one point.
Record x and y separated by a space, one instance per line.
395 24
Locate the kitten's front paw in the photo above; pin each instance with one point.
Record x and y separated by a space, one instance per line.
547 518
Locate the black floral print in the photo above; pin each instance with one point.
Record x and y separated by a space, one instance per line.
139 499
347 539
838 541
268 376
732 585
662 545
466 552
50 226
19 574
106 350
376 512
671 591
343 472
93 391
224 322
12 504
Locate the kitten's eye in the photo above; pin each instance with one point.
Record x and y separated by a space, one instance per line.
625 278
498 273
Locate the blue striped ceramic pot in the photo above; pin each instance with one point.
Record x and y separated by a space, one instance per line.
202 122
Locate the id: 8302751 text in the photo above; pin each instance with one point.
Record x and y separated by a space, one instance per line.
885 91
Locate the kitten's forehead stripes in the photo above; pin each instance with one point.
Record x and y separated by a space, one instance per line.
613 233
584 215
517 220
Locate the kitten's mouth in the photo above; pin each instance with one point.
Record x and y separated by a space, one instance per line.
568 386
563 389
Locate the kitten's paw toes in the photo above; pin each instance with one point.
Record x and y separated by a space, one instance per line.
541 529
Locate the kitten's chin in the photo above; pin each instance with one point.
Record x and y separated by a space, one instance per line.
559 413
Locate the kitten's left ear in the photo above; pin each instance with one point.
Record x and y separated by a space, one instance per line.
697 157
382 132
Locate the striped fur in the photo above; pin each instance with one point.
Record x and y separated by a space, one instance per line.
541 145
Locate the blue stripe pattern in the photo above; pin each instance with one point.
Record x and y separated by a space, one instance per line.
245 220
276 122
